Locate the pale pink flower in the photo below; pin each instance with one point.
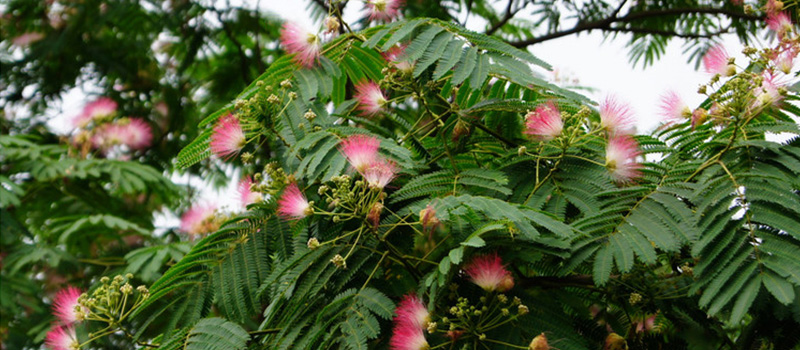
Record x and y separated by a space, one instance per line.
293 204
673 109
784 61
621 153
394 55
305 45
61 338
228 137
98 109
137 134
246 195
488 272
769 92
773 6
616 117
383 10
370 98
716 61
380 173
411 311
332 25
200 219
428 219
699 117
65 305
26 39
360 150
780 23
544 123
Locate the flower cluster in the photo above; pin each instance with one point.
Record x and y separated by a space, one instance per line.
306 46
228 137
544 123
247 195
68 311
383 10
410 323
362 153
100 130
293 205
371 100
200 219
621 154
488 272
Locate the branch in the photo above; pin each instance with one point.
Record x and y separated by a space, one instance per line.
605 24
509 14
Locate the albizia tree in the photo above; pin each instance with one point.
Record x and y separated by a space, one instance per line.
424 189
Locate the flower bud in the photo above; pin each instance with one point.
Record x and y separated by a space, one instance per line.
539 343
313 243
332 24
427 217
374 215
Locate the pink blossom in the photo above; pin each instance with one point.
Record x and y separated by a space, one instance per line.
137 134
616 117
228 137
488 272
65 304
621 153
699 117
370 98
411 311
544 123
380 173
784 61
716 61
673 108
26 39
61 338
246 195
360 150
773 6
780 23
408 337
394 55
293 204
769 92
98 109
428 219
200 219
383 10
305 45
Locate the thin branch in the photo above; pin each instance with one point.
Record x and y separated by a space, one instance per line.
605 24
507 17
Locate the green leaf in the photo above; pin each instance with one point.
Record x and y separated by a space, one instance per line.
216 334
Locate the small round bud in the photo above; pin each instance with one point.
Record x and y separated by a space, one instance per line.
286 84
432 327
247 158
522 150
293 95
313 243
310 115
522 309
339 261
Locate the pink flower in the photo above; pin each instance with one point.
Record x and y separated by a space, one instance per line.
393 56
488 272
716 61
411 311
383 10
97 109
370 98
621 153
780 23
228 137
673 108
428 219
293 204
360 150
699 117
544 123
380 173
62 338
26 39
408 337
246 195
616 117
137 134
769 92
305 45
200 219
774 6
65 304
784 61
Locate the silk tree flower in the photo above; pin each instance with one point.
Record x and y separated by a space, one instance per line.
305 45
66 307
544 123
412 311
769 93
780 23
380 173
98 109
621 153
246 195
616 117
784 61
293 204
408 337
539 343
717 61
360 150
428 219
199 219
228 137
393 56
773 6
673 108
26 39
488 272
136 134
383 10
62 338
370 98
